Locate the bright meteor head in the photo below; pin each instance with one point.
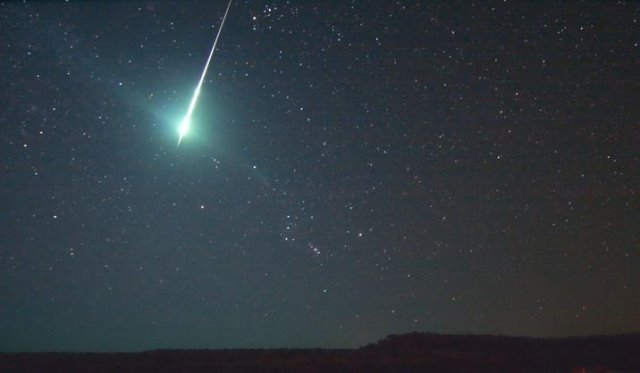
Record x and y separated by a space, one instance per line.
184 128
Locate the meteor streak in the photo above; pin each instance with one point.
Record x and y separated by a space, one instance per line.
183 129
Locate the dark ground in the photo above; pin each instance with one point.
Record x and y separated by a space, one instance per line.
417 352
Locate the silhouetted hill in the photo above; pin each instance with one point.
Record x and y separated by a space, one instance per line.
620 352
415 352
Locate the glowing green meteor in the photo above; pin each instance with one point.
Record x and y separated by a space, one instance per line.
183 129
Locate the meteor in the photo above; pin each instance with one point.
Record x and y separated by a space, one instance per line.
183 129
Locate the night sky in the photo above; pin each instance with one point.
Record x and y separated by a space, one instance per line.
354 169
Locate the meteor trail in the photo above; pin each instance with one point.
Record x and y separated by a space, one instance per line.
186 121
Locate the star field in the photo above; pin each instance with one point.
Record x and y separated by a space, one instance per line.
355 169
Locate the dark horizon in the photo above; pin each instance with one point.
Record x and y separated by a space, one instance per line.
353 169
372 344
414 352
